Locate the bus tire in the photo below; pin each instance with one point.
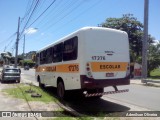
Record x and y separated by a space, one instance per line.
60 90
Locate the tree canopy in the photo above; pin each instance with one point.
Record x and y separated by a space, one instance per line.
134 29
132 26
153 57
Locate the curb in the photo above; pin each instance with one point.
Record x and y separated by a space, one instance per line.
153 83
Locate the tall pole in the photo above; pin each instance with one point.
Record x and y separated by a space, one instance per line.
145 42
17 41
24 49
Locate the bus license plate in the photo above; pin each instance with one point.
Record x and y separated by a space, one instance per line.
109 74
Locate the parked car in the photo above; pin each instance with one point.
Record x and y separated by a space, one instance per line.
26 67
10 74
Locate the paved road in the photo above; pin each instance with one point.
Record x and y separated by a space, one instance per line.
138 95
28 74
143 96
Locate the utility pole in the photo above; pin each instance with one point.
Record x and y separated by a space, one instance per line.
17 41
24 49
145 42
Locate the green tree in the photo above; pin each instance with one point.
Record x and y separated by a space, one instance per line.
133 27
153 57
30 63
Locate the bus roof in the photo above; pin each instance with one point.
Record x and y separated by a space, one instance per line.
80 30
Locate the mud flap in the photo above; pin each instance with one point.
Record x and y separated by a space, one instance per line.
106 93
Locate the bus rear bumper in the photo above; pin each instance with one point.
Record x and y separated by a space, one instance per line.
90 83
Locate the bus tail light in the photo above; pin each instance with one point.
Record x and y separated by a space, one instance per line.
88 70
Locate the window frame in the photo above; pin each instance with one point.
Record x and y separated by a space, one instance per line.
70 53
49 53
57 50
42 57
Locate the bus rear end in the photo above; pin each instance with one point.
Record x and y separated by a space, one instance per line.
106 59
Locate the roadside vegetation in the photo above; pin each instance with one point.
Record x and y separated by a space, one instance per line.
134 29
155 74
20 91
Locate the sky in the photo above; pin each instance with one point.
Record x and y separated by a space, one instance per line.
64 17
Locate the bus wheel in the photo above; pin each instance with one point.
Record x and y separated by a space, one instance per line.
60 90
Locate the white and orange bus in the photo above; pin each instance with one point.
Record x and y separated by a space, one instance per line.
87 60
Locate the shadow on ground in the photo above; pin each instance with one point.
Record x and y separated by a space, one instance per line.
89 106
9 82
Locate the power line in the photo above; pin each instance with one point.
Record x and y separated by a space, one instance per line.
8 44
8 38
60 12
38 9
60 19
42 13
64 13
49 14
29 8
76 17
67 6
30 17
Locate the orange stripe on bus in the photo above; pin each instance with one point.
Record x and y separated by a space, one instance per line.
108 66
74 68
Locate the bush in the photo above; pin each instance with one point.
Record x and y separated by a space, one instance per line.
30 63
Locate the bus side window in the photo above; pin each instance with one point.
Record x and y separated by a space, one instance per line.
57 52
70 49
49 55
43 57
37 58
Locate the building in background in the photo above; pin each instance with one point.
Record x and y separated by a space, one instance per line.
5 58
137 70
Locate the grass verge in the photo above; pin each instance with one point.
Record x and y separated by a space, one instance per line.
155 74
20 92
